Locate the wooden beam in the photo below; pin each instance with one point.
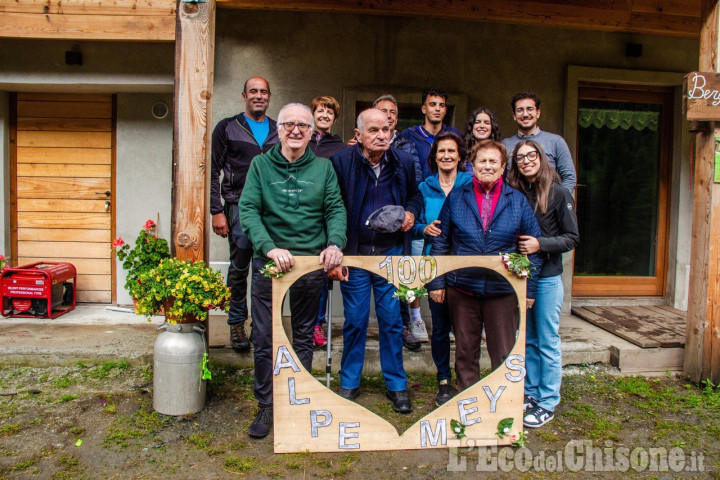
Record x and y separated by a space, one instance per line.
194 55
702 346
677 18
88 27
165 8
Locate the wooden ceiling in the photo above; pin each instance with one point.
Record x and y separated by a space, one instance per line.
154 20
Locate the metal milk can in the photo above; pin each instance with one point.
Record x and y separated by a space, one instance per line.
178 387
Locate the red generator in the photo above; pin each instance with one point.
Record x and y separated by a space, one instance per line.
42 289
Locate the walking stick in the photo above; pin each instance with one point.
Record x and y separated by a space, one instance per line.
341 274
328 361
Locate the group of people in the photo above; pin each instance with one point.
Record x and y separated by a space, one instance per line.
292 187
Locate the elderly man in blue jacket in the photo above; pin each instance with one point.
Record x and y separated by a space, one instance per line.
372 176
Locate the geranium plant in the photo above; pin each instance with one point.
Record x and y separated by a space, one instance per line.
186 289
147 253
3 263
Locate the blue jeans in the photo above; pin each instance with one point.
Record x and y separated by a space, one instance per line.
440 339
356 303
543 358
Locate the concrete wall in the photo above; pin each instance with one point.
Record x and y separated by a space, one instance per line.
144 144
304 55
143 170
108 67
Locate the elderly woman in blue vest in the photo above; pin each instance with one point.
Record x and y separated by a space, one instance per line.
484 217
532 174
447 165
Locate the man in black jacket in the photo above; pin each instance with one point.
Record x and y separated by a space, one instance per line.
235 142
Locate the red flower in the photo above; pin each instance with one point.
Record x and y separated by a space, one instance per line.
2 257
149 225
118 242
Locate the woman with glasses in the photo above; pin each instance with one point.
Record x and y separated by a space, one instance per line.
483 217
481 125
532 174
324 143
446 163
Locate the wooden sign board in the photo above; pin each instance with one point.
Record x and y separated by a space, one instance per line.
310 417
701 96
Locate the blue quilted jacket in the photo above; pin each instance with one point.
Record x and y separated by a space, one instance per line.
462 234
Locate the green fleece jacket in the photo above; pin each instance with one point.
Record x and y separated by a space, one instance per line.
292 205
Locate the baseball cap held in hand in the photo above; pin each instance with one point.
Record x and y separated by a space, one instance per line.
387 219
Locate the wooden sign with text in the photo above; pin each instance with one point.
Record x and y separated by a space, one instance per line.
310 417
701 96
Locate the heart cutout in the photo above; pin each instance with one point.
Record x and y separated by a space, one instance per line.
310 417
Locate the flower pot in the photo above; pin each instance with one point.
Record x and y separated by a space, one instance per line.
187 318
135 307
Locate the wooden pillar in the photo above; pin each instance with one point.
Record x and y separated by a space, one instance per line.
194 56
702 344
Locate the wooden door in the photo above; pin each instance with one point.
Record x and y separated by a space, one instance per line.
624 150
62 165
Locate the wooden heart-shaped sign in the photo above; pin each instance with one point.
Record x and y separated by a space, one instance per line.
310 417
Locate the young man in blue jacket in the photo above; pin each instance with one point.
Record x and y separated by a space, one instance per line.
235 142
372 176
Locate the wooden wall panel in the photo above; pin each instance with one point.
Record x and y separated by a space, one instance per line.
64 139
100 156
63 186
72 170
64 235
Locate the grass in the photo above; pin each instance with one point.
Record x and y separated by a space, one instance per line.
142 423
200 440
68 398
9 429
240 465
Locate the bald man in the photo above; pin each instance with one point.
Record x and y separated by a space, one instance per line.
371 176
235 142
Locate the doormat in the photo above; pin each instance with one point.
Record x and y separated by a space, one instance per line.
645 326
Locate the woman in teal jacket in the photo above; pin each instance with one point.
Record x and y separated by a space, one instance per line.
446 164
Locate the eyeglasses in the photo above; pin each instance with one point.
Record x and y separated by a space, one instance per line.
290 126
528 157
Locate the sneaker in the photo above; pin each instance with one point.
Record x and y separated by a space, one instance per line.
444 394
319 338
529 403
452 337
409 340
260 427
238 339
419 330
537 417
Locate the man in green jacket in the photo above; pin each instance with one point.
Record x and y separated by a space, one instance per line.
291 205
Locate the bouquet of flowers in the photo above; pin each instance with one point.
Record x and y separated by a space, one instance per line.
147 253
518 264
408 295
270 270
185 288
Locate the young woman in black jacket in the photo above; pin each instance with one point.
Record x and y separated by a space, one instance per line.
554 208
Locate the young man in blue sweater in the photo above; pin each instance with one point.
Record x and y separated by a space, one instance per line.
526 113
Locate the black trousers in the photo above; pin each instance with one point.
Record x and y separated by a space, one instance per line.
241 252
304 299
